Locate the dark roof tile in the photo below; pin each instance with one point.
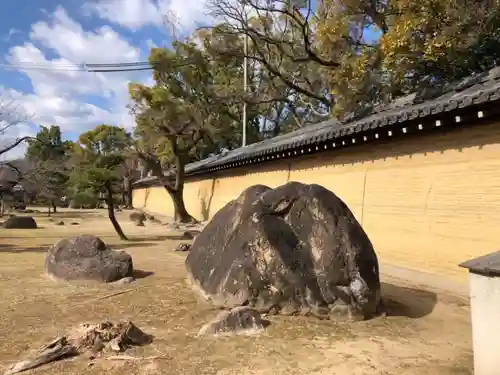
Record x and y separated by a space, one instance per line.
488 265
476 89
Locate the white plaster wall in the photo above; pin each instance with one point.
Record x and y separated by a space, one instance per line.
485 314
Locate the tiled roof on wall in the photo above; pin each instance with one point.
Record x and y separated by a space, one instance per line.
9 174
477 91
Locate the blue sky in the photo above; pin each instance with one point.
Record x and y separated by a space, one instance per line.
38 34
17 18
45 34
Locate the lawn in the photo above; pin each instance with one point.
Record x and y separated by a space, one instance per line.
425 333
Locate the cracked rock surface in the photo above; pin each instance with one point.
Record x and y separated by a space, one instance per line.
296 249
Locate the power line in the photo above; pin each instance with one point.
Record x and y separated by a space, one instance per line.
78 66
120 64
88 68
93 68
70 65
14 67
119 70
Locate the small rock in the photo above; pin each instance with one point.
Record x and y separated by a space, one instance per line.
60 223
183 247
125 280
242 320
138 218
19 206
75 223
191 234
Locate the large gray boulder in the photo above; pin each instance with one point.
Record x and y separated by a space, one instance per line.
296 249
20 222
87 257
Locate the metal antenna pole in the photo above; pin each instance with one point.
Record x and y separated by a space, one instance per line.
245 79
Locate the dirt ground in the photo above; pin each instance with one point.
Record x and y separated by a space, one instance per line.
425 333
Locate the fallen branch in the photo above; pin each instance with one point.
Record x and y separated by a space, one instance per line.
130 358
93 337
111 295
57 349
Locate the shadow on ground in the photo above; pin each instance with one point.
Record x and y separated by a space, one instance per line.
13 249
158 238
59 215
70 214
409 302
20 230
141 274
130 244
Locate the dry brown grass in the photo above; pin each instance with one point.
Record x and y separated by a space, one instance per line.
425 334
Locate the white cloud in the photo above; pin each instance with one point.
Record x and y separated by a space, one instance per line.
189 13
61 94
69 40
134 14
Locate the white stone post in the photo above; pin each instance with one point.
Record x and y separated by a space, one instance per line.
484 290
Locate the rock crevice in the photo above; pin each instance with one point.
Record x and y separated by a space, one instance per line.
296 249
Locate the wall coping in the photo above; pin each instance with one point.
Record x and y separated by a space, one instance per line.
486 265
469 101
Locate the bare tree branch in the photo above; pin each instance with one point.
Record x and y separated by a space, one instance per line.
15 144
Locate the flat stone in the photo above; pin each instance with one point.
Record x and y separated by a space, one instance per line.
125 280
240 320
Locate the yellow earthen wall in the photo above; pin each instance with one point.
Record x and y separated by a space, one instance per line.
427 202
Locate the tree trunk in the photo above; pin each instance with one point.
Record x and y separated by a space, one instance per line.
50 213
54 207
111 212
127 193
124 197
180 212
175 191
2 206
130 203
